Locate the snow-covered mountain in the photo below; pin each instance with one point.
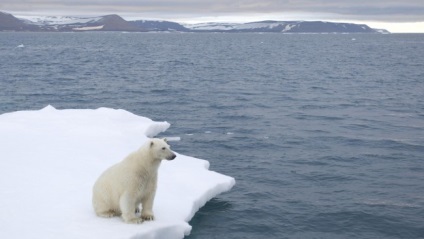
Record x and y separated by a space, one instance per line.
117 23
160 26
73 23
283 27
57 20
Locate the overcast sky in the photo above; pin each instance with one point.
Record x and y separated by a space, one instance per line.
400 13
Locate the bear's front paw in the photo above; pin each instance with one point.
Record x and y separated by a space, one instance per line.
106 214
147 216
135 220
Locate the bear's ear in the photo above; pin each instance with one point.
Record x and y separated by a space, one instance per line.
165 139
151 144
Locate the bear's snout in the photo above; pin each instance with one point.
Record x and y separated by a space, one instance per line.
172 157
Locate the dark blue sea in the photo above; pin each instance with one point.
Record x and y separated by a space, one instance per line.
324 134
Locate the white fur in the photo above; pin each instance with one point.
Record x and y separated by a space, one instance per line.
123 187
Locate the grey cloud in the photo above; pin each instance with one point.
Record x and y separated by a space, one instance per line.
385 10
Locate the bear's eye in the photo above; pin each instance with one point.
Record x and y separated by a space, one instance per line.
163 148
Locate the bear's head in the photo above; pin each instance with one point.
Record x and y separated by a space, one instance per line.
161 150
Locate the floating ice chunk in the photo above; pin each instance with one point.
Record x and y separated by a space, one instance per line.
173 138
51 158
20 46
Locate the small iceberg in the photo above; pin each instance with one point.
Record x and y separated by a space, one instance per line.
51 158
172 138
20 46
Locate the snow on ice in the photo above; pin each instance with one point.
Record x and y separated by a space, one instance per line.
50 159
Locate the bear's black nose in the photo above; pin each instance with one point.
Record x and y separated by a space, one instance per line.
172 157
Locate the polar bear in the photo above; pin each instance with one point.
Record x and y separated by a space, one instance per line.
123 187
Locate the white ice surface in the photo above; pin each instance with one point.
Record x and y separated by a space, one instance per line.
49 160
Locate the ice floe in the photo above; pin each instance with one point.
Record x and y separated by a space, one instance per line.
50 159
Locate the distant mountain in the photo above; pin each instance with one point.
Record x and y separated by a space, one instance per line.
116 23
382 31
160 26
283 27
10 23
66 24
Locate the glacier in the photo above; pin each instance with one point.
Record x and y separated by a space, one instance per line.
50 159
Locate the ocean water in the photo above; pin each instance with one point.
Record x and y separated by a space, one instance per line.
323 133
